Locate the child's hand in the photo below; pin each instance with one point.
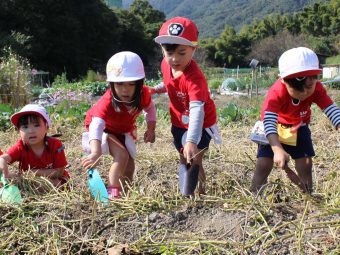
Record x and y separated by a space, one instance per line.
152 90
149 136
89 160
189 150
281 157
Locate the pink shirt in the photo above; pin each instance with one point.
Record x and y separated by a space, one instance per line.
53 156
190 86
116 122
279 101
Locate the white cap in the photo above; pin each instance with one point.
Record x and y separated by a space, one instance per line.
31 109
124 66
298 62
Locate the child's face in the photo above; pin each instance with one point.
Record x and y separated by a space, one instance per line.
179 58
33 133
125 90
308 89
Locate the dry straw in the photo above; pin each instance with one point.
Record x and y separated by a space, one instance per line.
153 218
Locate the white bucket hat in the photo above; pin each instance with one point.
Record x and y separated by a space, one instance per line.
31 109
298 62
124 66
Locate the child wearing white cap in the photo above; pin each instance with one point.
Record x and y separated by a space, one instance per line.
111 122
35 151
286 114
193 112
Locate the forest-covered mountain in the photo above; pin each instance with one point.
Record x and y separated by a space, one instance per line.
211 16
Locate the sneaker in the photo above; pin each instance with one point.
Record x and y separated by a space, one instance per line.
114 192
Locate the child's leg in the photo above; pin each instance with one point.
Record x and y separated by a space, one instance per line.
304 168
129 171
201 175
264 166
120 156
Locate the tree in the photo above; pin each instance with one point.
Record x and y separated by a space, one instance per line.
231 48
62 36
269 49
151 18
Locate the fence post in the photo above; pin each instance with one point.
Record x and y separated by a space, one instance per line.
17 88
251 84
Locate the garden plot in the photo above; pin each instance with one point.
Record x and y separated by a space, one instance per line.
153 218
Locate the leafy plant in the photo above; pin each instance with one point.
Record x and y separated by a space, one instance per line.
60 80
227 114
96 88
214 84
6 112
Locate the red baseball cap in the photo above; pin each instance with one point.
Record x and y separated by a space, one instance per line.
178 30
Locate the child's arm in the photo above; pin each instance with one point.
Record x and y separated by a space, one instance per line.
4 159
281 157
333 113
96 130
150 135
96 151
151 118
158 89
196 119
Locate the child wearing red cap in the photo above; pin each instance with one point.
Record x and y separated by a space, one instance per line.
193 112
286 114
111 122
35 151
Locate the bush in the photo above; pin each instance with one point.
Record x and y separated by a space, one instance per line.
6 112
15 74
214 84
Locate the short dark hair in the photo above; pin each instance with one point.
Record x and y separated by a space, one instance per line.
170 47
298 83
136 96
23 120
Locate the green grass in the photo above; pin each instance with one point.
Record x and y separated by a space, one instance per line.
333 60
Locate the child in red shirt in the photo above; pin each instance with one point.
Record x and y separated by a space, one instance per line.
35 151
111 122
287 107
193 112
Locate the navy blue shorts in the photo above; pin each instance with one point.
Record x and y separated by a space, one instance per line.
177 133
304 146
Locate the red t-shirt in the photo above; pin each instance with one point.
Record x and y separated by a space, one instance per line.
117 122
279 101
190 86
53 156
1 153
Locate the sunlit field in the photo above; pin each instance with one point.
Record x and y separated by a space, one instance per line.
153 218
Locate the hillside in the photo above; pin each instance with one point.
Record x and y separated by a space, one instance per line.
211 16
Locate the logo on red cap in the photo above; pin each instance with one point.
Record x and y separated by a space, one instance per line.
176 29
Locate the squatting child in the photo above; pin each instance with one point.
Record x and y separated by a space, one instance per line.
35 151
287 107
112 120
